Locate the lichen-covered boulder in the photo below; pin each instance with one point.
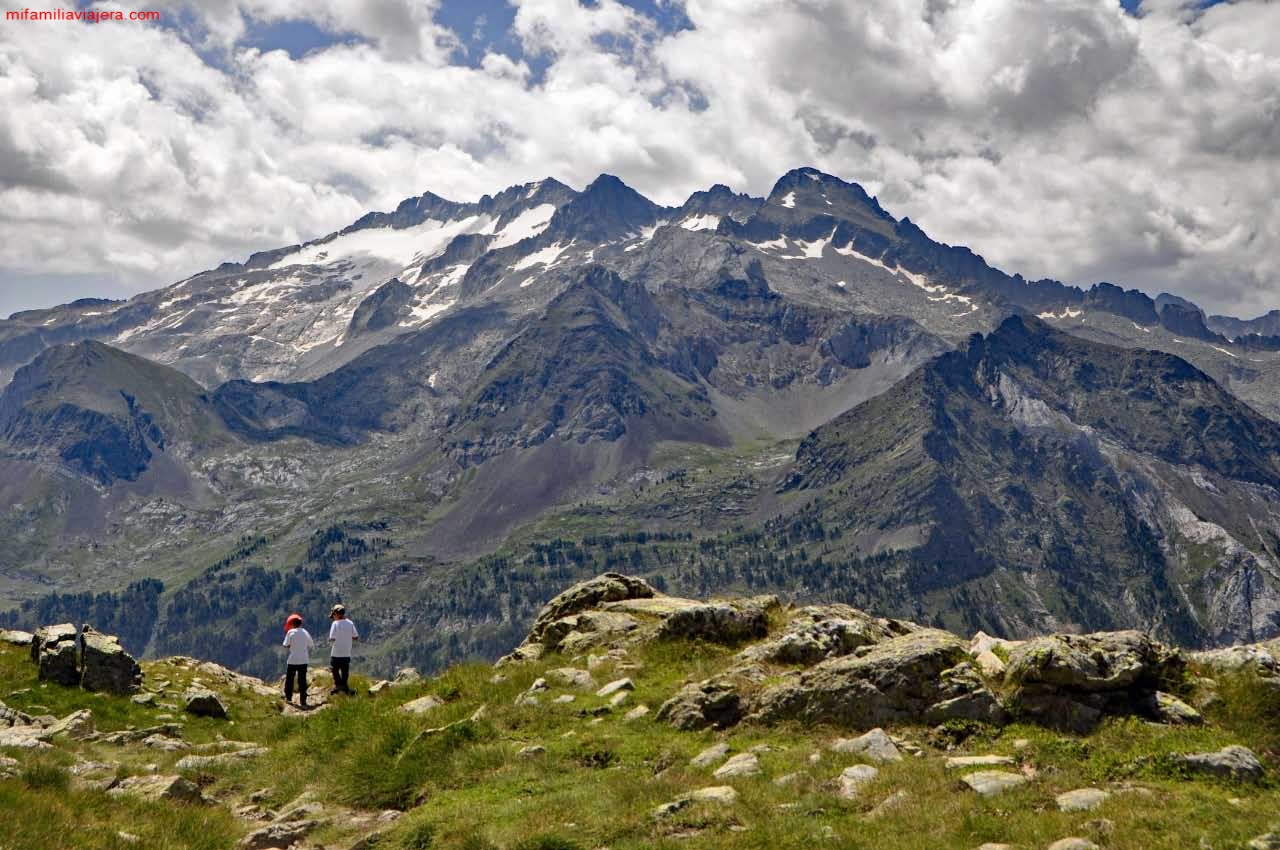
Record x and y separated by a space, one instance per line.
730 621
920 676
1099 662
107 667
714 704
609 587
1073 681
817 632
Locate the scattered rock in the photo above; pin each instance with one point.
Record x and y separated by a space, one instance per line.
875 745
173 788
852 779
617 700
1082 799
1073 844
165 743
1233 762
203 702
406 675
616 686
276 835
531 751
636 713
422 705
988 783
711 755
77 725
961 762
23 738
378 687
743 764
723 794
206 762
147 699
1269 841
572 677
888 804
564 699
1167 708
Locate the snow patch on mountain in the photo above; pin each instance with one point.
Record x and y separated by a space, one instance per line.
531 222
701 222
398 247
546 257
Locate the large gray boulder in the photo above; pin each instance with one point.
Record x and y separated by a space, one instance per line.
107 667
1072 681
56 653
203 702
922 676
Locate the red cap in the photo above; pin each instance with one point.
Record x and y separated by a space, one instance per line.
293 621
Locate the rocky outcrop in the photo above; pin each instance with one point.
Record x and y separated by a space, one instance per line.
612 609
833 664
818 632
1072 681
920 676
84 657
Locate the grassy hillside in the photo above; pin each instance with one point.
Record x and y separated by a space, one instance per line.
484 767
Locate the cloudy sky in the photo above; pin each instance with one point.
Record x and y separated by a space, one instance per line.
1079 139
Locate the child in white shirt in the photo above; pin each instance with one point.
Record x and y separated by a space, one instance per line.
341 633
299 642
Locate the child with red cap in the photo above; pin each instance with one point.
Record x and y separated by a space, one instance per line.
299 642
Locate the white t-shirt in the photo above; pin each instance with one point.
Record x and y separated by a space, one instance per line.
340 635
299 642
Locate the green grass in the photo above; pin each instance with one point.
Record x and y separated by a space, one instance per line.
464 786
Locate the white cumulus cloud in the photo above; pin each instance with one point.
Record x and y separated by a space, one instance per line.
1063 139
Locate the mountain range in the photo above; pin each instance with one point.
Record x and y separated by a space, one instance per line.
442 413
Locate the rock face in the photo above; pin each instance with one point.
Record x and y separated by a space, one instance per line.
107 667
919 675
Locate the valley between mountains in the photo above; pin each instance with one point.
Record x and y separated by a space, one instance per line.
443 414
